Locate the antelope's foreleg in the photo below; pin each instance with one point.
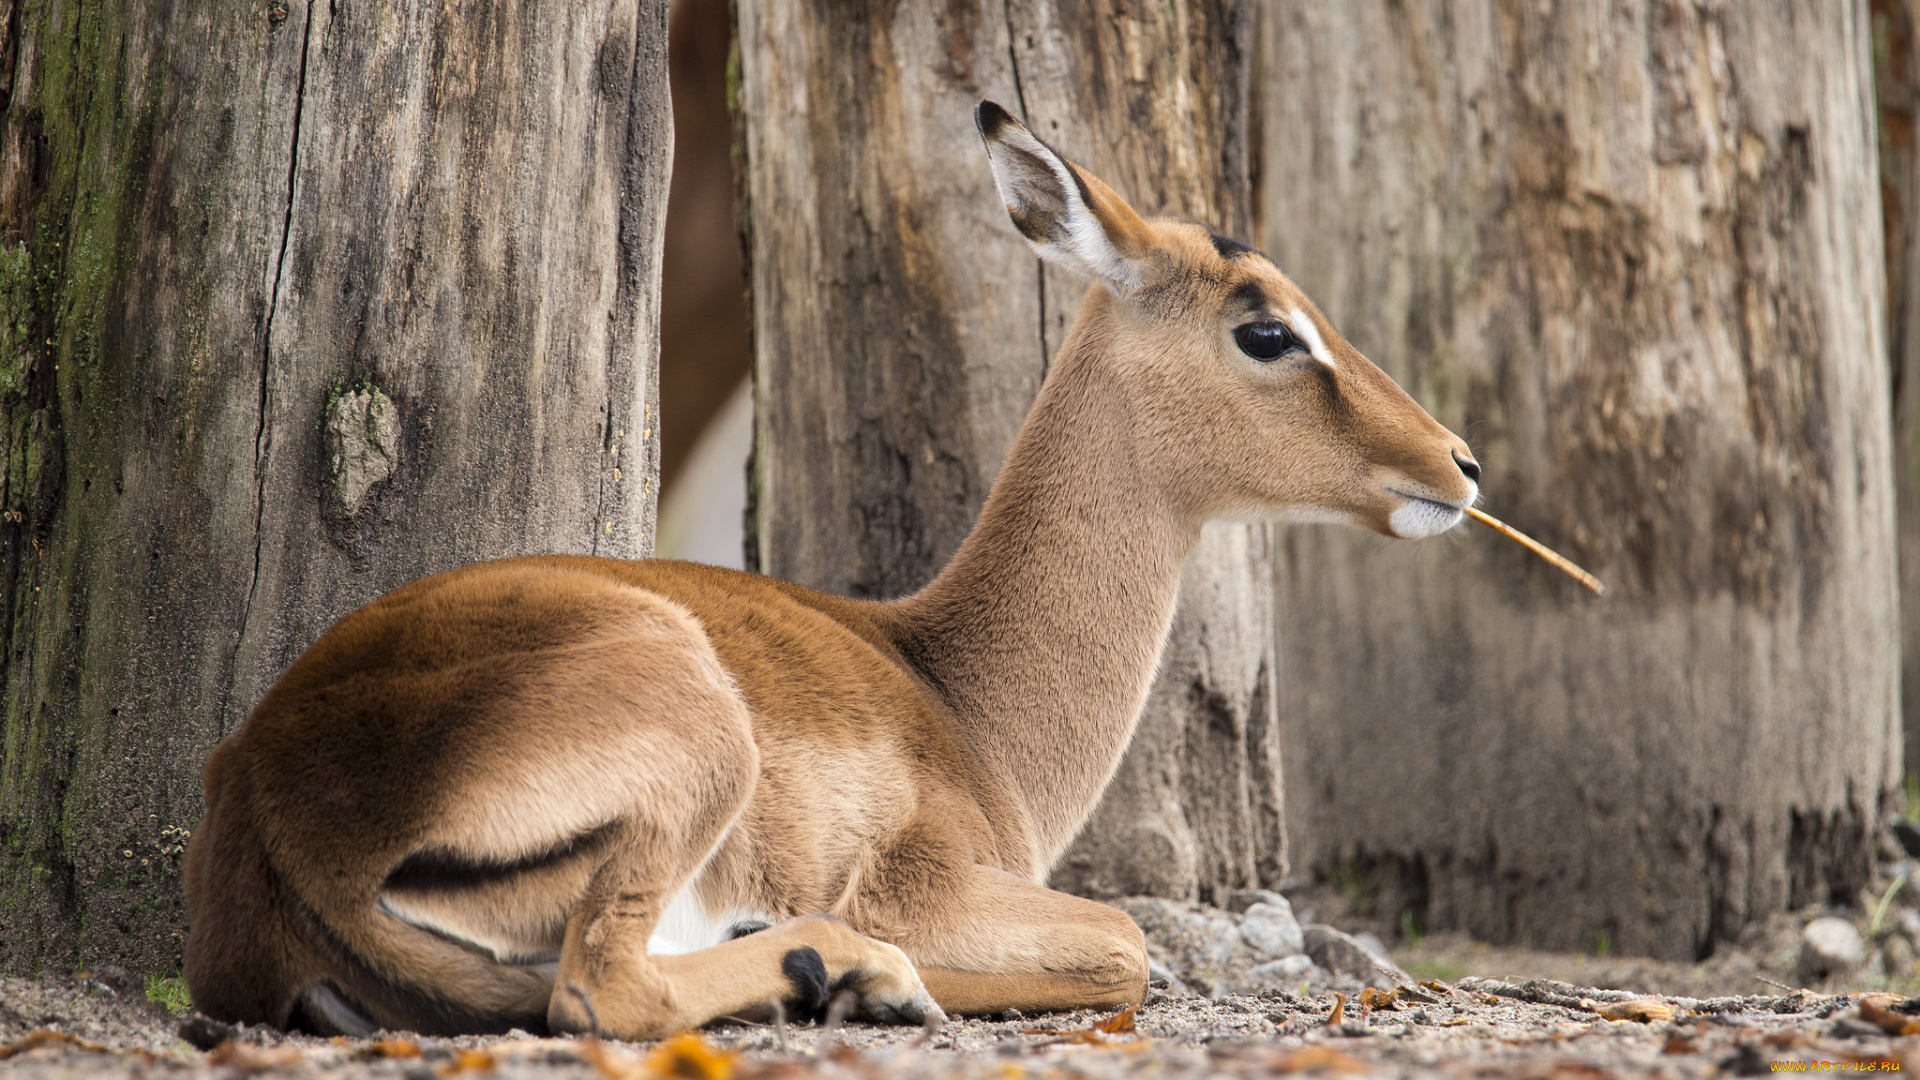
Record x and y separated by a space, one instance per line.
1004 943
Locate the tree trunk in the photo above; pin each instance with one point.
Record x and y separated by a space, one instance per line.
1896 35
1633 254
902 329
301 302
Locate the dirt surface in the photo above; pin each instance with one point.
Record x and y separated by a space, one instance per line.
61 1026
1222 1005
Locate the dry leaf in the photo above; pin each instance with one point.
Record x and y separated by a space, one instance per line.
1887 1020
607 1062
395 1048
690 1057
1120 1023
39 1037
246 1057
468 1061
1436 986
1645 1010
1372 998
1339 1014
1490 999
1316 1059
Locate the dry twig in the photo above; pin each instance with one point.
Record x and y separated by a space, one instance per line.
1560 561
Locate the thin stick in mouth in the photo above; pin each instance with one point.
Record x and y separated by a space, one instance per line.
1539 549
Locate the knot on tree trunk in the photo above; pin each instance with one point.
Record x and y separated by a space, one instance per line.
362 446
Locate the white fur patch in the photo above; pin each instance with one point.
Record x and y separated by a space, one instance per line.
1304 328
1417 518
687 926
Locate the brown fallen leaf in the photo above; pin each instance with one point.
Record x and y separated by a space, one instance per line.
1316 1059
1490 999
468 1061
39 1037
1887 1020
1338 1015
608 1063
1882 998
690 1057
1372 998
1120 1023
1678 1044
1644 1010
249 1058
1436 986
394 1048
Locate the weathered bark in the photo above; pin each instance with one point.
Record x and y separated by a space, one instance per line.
901 330
1632 252
301 302
1896 35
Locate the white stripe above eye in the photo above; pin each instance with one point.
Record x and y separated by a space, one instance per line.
1306 331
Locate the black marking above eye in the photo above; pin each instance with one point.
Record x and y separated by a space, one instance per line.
1267 341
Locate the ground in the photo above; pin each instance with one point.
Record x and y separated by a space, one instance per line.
1496 1015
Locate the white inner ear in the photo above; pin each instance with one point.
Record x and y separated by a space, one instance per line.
1037 186
1303 327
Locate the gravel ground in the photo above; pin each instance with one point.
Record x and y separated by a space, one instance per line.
60 1026
1245 991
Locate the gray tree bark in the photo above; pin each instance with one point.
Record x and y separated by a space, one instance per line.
1896 36
300 303
1632 252
901 329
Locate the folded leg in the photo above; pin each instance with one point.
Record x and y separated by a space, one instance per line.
1004 943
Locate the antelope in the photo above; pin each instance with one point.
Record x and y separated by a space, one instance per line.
634 797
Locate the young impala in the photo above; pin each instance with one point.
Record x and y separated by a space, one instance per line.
535 791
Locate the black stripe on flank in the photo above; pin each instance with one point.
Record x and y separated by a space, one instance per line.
438 868
804 968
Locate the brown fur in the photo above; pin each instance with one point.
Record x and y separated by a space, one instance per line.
487 788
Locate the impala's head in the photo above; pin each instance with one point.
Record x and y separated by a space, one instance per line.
1252 403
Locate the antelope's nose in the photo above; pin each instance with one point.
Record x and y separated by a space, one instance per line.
1467 465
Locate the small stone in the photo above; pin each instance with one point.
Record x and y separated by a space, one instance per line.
203 1032
1341 954
1829 946
1271 931
1286 970
1239 902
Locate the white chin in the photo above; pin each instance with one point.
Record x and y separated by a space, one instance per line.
1417 519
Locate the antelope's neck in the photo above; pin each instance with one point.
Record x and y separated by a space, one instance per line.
1044 632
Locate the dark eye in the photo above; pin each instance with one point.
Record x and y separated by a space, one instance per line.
1265 341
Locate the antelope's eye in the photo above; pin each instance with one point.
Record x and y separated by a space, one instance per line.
1266 341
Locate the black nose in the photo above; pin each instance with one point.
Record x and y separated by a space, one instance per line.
1467 465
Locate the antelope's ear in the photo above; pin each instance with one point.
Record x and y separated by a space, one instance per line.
1066 213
